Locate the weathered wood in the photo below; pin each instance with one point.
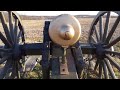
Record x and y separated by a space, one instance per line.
64 68
71 68
31 63
79 61
55 68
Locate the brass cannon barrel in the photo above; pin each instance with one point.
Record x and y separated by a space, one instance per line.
65 30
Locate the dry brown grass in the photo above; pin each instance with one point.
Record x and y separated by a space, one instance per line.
34 30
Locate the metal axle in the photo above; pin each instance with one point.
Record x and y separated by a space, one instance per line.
36 48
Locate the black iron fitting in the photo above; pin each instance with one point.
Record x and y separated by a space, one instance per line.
100 51
16 52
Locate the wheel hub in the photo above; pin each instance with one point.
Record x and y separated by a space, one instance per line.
16 52
100 51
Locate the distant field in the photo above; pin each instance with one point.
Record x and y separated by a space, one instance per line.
34 29
34 32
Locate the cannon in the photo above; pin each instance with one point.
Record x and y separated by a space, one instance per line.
64 56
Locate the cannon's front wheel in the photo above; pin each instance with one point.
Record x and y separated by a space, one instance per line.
105 36
11 37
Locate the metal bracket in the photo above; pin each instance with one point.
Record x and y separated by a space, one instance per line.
64 68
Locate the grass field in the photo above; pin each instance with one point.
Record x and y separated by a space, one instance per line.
34 33
34 29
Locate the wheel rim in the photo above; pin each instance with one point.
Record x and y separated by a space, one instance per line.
11 37
103 35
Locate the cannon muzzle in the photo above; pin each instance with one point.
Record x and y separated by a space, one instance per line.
65 30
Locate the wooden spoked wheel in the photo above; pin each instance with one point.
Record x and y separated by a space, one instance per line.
11 37
105 36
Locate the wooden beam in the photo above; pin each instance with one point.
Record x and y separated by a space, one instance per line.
71 68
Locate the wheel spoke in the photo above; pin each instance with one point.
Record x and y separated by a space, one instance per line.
100 27
112 30
100 71
17 70
112 52
110 69
5 50
106 26
13 70
93 39
22 30
16 30
113 62
113 42
5 69
6 30
96 65
97 35
4 59
11 24
105 70
18 37
4 40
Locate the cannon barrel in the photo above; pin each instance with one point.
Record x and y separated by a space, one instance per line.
65 30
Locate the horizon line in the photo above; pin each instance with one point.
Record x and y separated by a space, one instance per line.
56 13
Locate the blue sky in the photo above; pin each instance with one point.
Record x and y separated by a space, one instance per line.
55 13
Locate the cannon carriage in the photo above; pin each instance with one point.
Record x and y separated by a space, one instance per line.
64 56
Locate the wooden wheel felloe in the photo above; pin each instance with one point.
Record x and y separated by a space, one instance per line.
104 35
11 38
